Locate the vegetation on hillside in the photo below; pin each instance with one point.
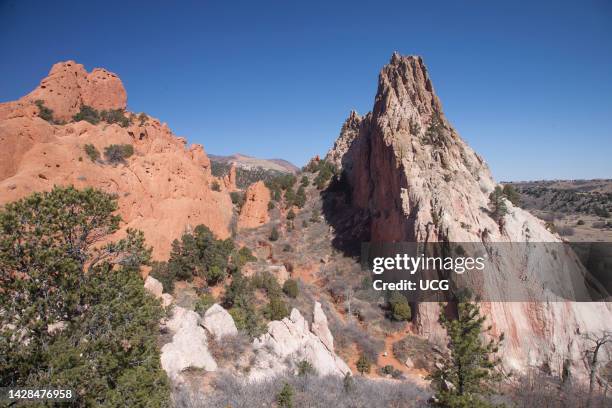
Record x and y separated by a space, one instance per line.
93 116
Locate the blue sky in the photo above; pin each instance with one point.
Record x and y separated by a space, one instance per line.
527 84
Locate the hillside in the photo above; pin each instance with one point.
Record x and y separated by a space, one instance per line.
43 143
578 209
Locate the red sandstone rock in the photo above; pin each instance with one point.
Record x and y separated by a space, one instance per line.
162 189
254 212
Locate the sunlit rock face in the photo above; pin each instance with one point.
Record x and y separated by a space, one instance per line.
418 181
163 189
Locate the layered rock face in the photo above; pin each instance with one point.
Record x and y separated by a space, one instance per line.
254 211
418 181
162 189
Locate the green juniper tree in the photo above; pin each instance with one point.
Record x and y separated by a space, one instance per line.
497 205
469 372
74 310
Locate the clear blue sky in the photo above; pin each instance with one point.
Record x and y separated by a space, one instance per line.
527 85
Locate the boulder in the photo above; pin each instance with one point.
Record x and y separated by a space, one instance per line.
286 343
219 322
188 348
154 286
167 299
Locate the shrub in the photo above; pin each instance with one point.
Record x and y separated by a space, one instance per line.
115 116
511 194
399 307
203 303
325 172
276 309
44 112
304 182
290 287
142 118
215 186
237 199
300 197
88 114
92 152
363 364
315 216
266 281
118 153
270 205
229 348
305 368
497 205
601 212
287 248
580 222
243 256
198 253
214 275
284 399
391 371
290 215
565 231
273 234
161 272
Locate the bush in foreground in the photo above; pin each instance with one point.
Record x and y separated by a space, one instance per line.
60 285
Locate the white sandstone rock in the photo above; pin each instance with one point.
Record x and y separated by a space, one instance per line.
219 322
288 342
189 345
154 286
320 328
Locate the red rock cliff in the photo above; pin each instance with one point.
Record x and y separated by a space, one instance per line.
162 189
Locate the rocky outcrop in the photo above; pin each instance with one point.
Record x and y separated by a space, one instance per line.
418 181
254 211
219 322
162 189
189 345
154 286
290 341
68 86
320 327
229 180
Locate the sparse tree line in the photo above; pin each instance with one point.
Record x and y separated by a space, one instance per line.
93 116
75 314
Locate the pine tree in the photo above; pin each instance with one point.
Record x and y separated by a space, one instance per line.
285 396
80 304
497 204
363 364
469 371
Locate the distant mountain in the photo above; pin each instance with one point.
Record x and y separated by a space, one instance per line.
251 163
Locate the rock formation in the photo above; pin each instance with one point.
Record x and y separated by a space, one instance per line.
290 341
229 180
254 211
219 322
189 345
162 189
154 287
418 181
